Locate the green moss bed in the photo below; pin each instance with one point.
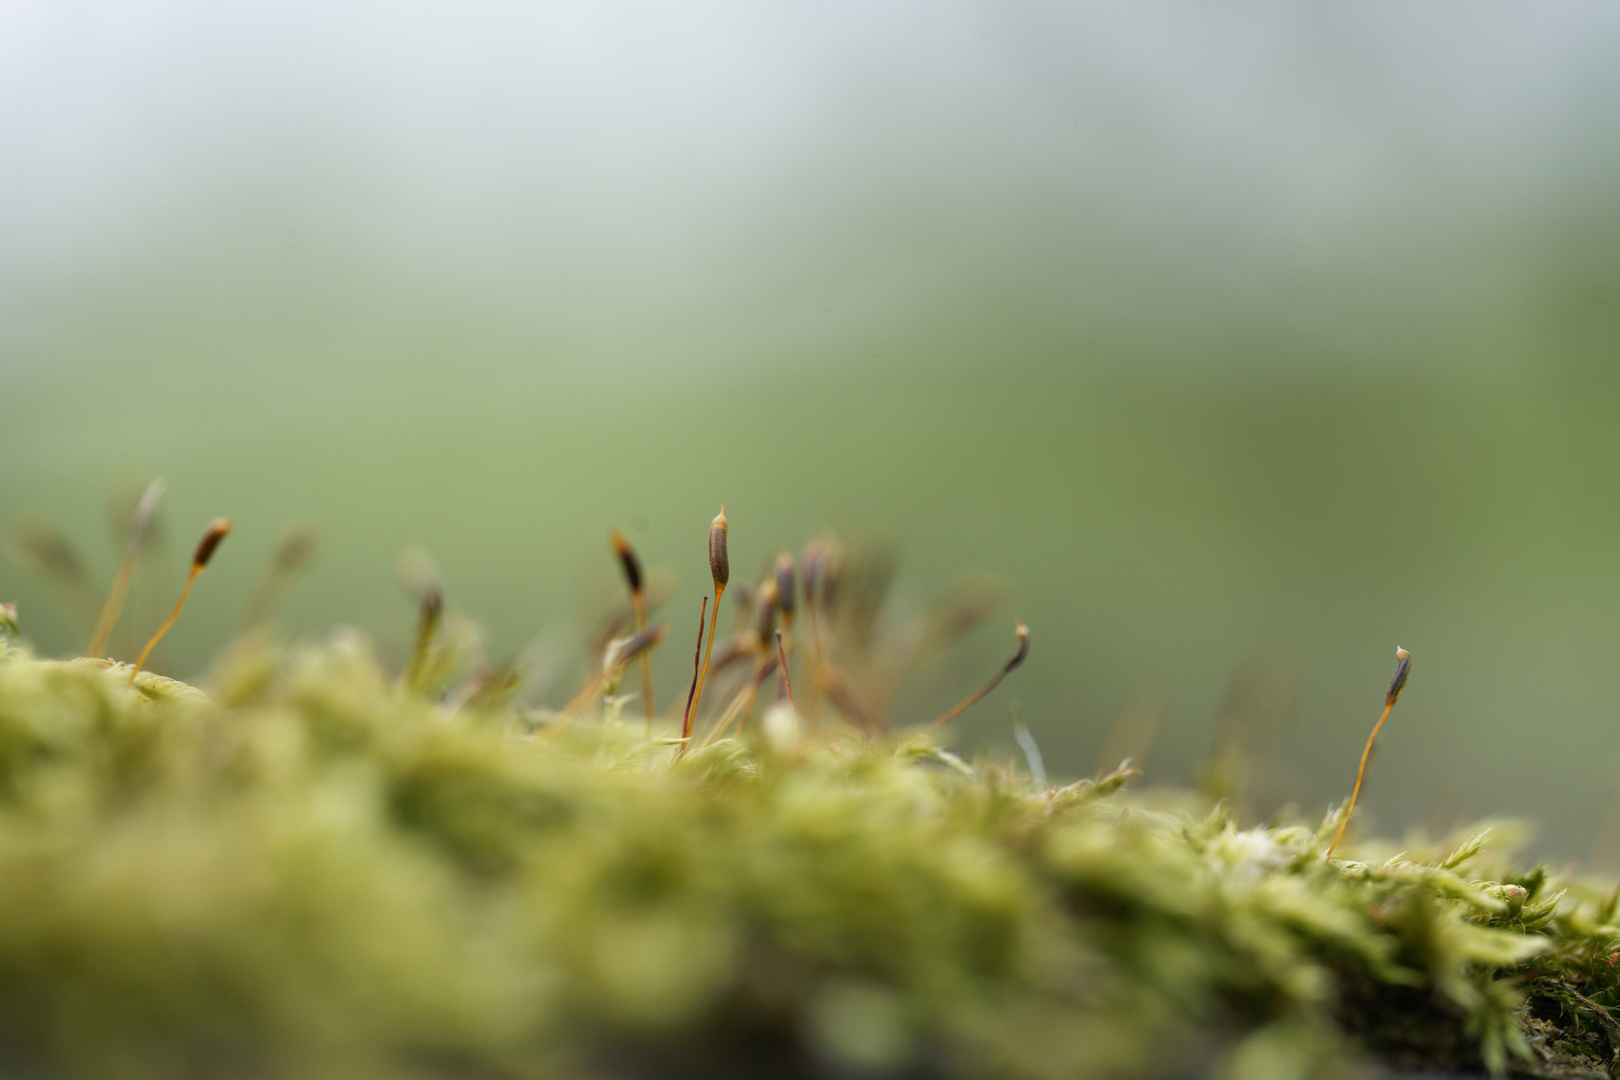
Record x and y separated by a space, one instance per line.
311 868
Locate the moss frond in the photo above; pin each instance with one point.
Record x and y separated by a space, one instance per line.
316 872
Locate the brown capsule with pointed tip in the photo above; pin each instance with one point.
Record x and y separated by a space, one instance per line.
638 607
218 529
1403 668
719 560
627 560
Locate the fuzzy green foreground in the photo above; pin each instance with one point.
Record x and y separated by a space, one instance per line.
309 872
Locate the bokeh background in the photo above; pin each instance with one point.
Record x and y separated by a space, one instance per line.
1241 342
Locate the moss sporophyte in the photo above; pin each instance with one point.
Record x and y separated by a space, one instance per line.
314 863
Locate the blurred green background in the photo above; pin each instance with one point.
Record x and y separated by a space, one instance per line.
1242 345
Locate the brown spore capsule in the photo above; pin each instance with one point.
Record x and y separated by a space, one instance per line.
720 567
719 559
638 606
218 529
1403 668
638 644
628 560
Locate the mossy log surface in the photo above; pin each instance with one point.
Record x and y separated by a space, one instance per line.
310 870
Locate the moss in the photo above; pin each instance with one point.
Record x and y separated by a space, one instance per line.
311 872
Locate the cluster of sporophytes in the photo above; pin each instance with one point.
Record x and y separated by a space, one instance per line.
312 865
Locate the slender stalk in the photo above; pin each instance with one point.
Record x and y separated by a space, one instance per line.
646 662
135 539
815 640
217 530
1403 668
720 568
741 705
294 553
787 685
164 629
618 657
697 690
114 605
972 699
1361 772
691 694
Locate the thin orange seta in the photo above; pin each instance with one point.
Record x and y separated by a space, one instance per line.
217 530
1403 668
134 540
